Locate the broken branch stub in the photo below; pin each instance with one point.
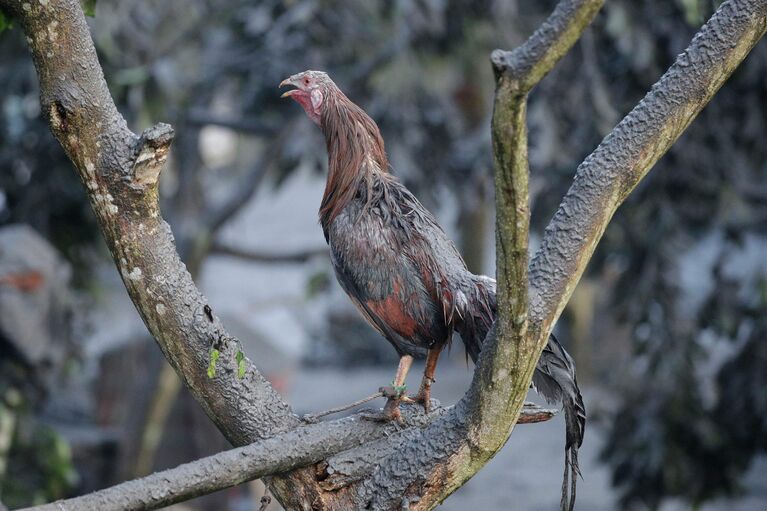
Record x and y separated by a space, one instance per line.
151 153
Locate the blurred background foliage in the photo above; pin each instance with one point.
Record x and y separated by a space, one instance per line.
669 322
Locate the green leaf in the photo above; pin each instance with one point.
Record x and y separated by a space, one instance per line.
89 7
241 364
5 21
693 12
214 354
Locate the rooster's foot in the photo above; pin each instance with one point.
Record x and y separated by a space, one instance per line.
393 391
424 395
389 413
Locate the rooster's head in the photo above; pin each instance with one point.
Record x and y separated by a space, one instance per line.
311 89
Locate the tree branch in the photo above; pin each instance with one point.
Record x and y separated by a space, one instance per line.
200 117
299 447
357 464
119 171
153 147
507 370
604 180
256 256
529 63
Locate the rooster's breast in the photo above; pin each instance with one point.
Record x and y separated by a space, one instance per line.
374 262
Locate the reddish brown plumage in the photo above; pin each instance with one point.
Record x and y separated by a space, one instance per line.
394 312
351 137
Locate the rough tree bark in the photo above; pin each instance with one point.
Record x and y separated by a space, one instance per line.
280 453
420 465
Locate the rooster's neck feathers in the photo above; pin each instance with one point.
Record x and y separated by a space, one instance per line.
355 153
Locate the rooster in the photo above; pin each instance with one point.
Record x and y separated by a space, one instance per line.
401 270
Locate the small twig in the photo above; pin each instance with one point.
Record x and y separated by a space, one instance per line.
532 413
314 417
266 257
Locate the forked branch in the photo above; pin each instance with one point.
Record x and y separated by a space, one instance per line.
508 368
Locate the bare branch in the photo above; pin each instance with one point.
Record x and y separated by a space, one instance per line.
359 463
116 167
604 180
201 117
245 190
533 414
123 193
529 63
257 256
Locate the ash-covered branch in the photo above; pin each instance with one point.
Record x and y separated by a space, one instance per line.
425 464
297 448
604 180
533 414
356 464
108 158
526 65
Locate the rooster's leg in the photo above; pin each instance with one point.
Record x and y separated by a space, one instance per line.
395 392
424 393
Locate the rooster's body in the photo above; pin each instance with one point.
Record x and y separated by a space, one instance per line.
399 267
402 272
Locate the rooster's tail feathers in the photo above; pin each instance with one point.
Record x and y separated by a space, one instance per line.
555 380
475 315
554 376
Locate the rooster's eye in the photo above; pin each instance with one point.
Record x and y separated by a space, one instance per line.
306 81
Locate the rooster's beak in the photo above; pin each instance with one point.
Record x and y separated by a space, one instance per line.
287 93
